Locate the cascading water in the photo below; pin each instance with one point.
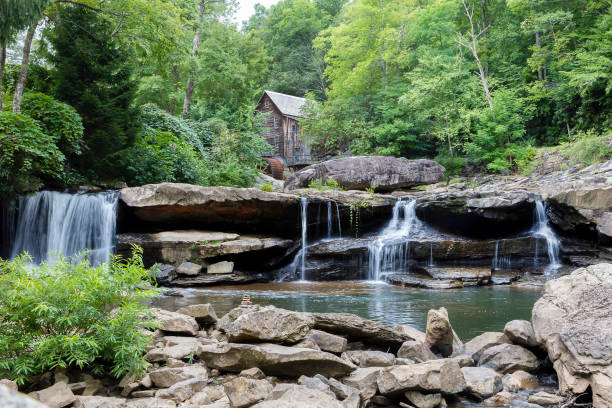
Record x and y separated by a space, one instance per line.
339 221
431 259
329 220
304 208
501 261
390 251
542 229
51 223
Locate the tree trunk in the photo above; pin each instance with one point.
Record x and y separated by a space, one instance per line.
483 79
541 73
194 51
27 46
2 63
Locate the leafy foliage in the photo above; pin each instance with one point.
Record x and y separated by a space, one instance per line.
60 315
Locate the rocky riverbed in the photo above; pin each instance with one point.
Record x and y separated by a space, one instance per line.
268 357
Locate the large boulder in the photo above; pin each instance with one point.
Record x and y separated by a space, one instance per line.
58 395
433 376
173 322
177 205
507 358
244 392
521 332
475 347
439 334
265 324
10 398
482 382
573 320
204 313
274 359
358 328
327 341
360 172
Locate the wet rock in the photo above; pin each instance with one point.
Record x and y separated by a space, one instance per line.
168 376
507 358
148 403
416 350
486 340
369 358
297 396
254 373
442 375
423 281
361 172
182 390
482 382
519 380
439 335
228 208
365 380
273 359
98 402
357 328
573 320
213 280
189 269
327 341
521 332
420 400
203 313
176 322
57 396
164 274
244 392
500 399
10 398
263 324
545 399
220 268
464 274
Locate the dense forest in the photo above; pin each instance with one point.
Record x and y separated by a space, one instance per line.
144 91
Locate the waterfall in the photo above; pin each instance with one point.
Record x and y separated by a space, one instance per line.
390 251
339 221
50 223
329 220
542 229
304 207
431 260
501 262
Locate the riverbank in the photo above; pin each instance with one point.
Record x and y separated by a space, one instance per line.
263 356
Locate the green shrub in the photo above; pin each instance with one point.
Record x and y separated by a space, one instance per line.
453 165
73 314
318 184
26 154
455 181
267 187
590 148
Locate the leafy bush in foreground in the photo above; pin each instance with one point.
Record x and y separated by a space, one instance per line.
65 314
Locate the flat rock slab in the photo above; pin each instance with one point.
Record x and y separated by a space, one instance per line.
442 375
274 359
212 280
423 281
298 396
507 358
461 273
358 328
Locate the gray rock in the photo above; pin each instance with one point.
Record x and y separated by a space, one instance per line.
482 382
203 313
244 392
177 352
220 268
10 398
327 341
479 344
369 358
361 172
298 396
168 376
358 328
521 332
265 324
507 358
182 390
573 320
12 385
57 396
416 350
501 399
315 383
409 332
273 359
97 402
208 395
519 380
545 399
421 400
439 335
433 376
148 403
176 322
365 380
189 269
254 373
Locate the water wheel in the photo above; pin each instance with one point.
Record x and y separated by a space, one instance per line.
275 168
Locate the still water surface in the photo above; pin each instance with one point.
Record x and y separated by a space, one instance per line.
472 311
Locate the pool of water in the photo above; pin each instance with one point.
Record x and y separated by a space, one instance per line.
472 311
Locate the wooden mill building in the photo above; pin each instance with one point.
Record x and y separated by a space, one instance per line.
283 130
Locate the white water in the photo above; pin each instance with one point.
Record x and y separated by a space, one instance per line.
50 224
304 207
329 220
501 261
390 252
431 259
339 221
542 229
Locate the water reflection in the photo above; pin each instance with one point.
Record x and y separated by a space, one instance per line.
472 310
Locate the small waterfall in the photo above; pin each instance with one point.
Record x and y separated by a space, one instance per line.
390 252
431 260
339 221
51 223
501 262
329 220
542 229
304 207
